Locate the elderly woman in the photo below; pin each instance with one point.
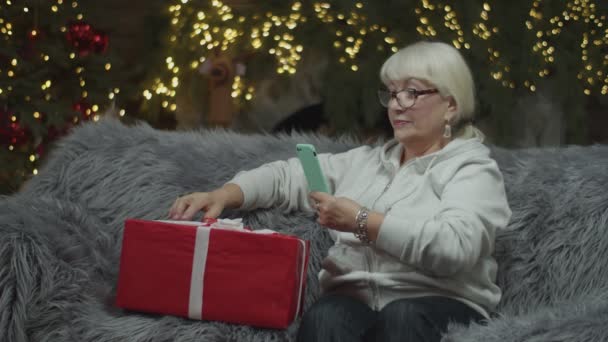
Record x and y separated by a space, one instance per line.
414 221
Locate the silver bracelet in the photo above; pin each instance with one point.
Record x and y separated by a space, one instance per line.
361 220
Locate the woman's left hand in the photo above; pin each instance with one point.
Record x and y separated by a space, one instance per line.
335 212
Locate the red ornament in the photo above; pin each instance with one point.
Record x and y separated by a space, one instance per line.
100 42
20 135
86 39
79 32
80 36
11 132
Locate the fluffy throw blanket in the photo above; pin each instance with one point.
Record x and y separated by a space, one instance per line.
60 236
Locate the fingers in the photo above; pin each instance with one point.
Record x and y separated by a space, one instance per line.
320 200
335 212
178 208
323 212
184 208
320 196
191 209
173 209
213 211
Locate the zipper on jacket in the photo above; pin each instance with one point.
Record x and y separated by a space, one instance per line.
384 190
369 253
387 186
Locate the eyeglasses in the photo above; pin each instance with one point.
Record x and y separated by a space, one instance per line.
405 97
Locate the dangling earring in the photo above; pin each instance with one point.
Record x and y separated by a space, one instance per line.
447 131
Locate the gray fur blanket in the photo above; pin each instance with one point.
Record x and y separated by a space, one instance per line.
60 236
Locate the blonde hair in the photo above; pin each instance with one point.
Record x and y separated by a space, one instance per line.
442 65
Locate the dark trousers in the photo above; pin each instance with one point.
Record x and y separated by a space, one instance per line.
337 318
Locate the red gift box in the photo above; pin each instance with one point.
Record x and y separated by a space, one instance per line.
191 270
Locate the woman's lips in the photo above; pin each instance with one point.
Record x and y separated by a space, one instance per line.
400 123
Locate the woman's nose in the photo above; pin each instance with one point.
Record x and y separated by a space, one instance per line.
394 104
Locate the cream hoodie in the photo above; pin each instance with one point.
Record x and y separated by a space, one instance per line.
441 212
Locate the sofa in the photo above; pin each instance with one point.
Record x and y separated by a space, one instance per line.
60 235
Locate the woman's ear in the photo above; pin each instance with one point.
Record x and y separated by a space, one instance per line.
452 109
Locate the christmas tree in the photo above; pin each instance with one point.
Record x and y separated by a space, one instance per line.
56 71
515 48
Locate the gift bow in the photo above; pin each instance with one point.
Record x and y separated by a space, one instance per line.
224 223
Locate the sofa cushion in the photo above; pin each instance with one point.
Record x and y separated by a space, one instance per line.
555 248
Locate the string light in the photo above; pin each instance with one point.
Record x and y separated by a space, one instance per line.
426 29
593 41
216 28
358 31
249 93
236 87
542 46
208 37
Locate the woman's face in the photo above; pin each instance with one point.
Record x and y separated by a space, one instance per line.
423 123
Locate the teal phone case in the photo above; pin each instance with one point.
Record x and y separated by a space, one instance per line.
312 169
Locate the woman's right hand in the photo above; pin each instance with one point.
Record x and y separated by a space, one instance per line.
213 203
185 207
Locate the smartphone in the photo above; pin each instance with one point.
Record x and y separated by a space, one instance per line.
312 169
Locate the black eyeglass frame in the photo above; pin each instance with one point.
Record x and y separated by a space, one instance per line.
413 92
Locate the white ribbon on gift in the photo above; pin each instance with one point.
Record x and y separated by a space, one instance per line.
236 224
201 247
228 224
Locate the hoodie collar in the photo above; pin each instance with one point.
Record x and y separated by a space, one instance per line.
392 150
